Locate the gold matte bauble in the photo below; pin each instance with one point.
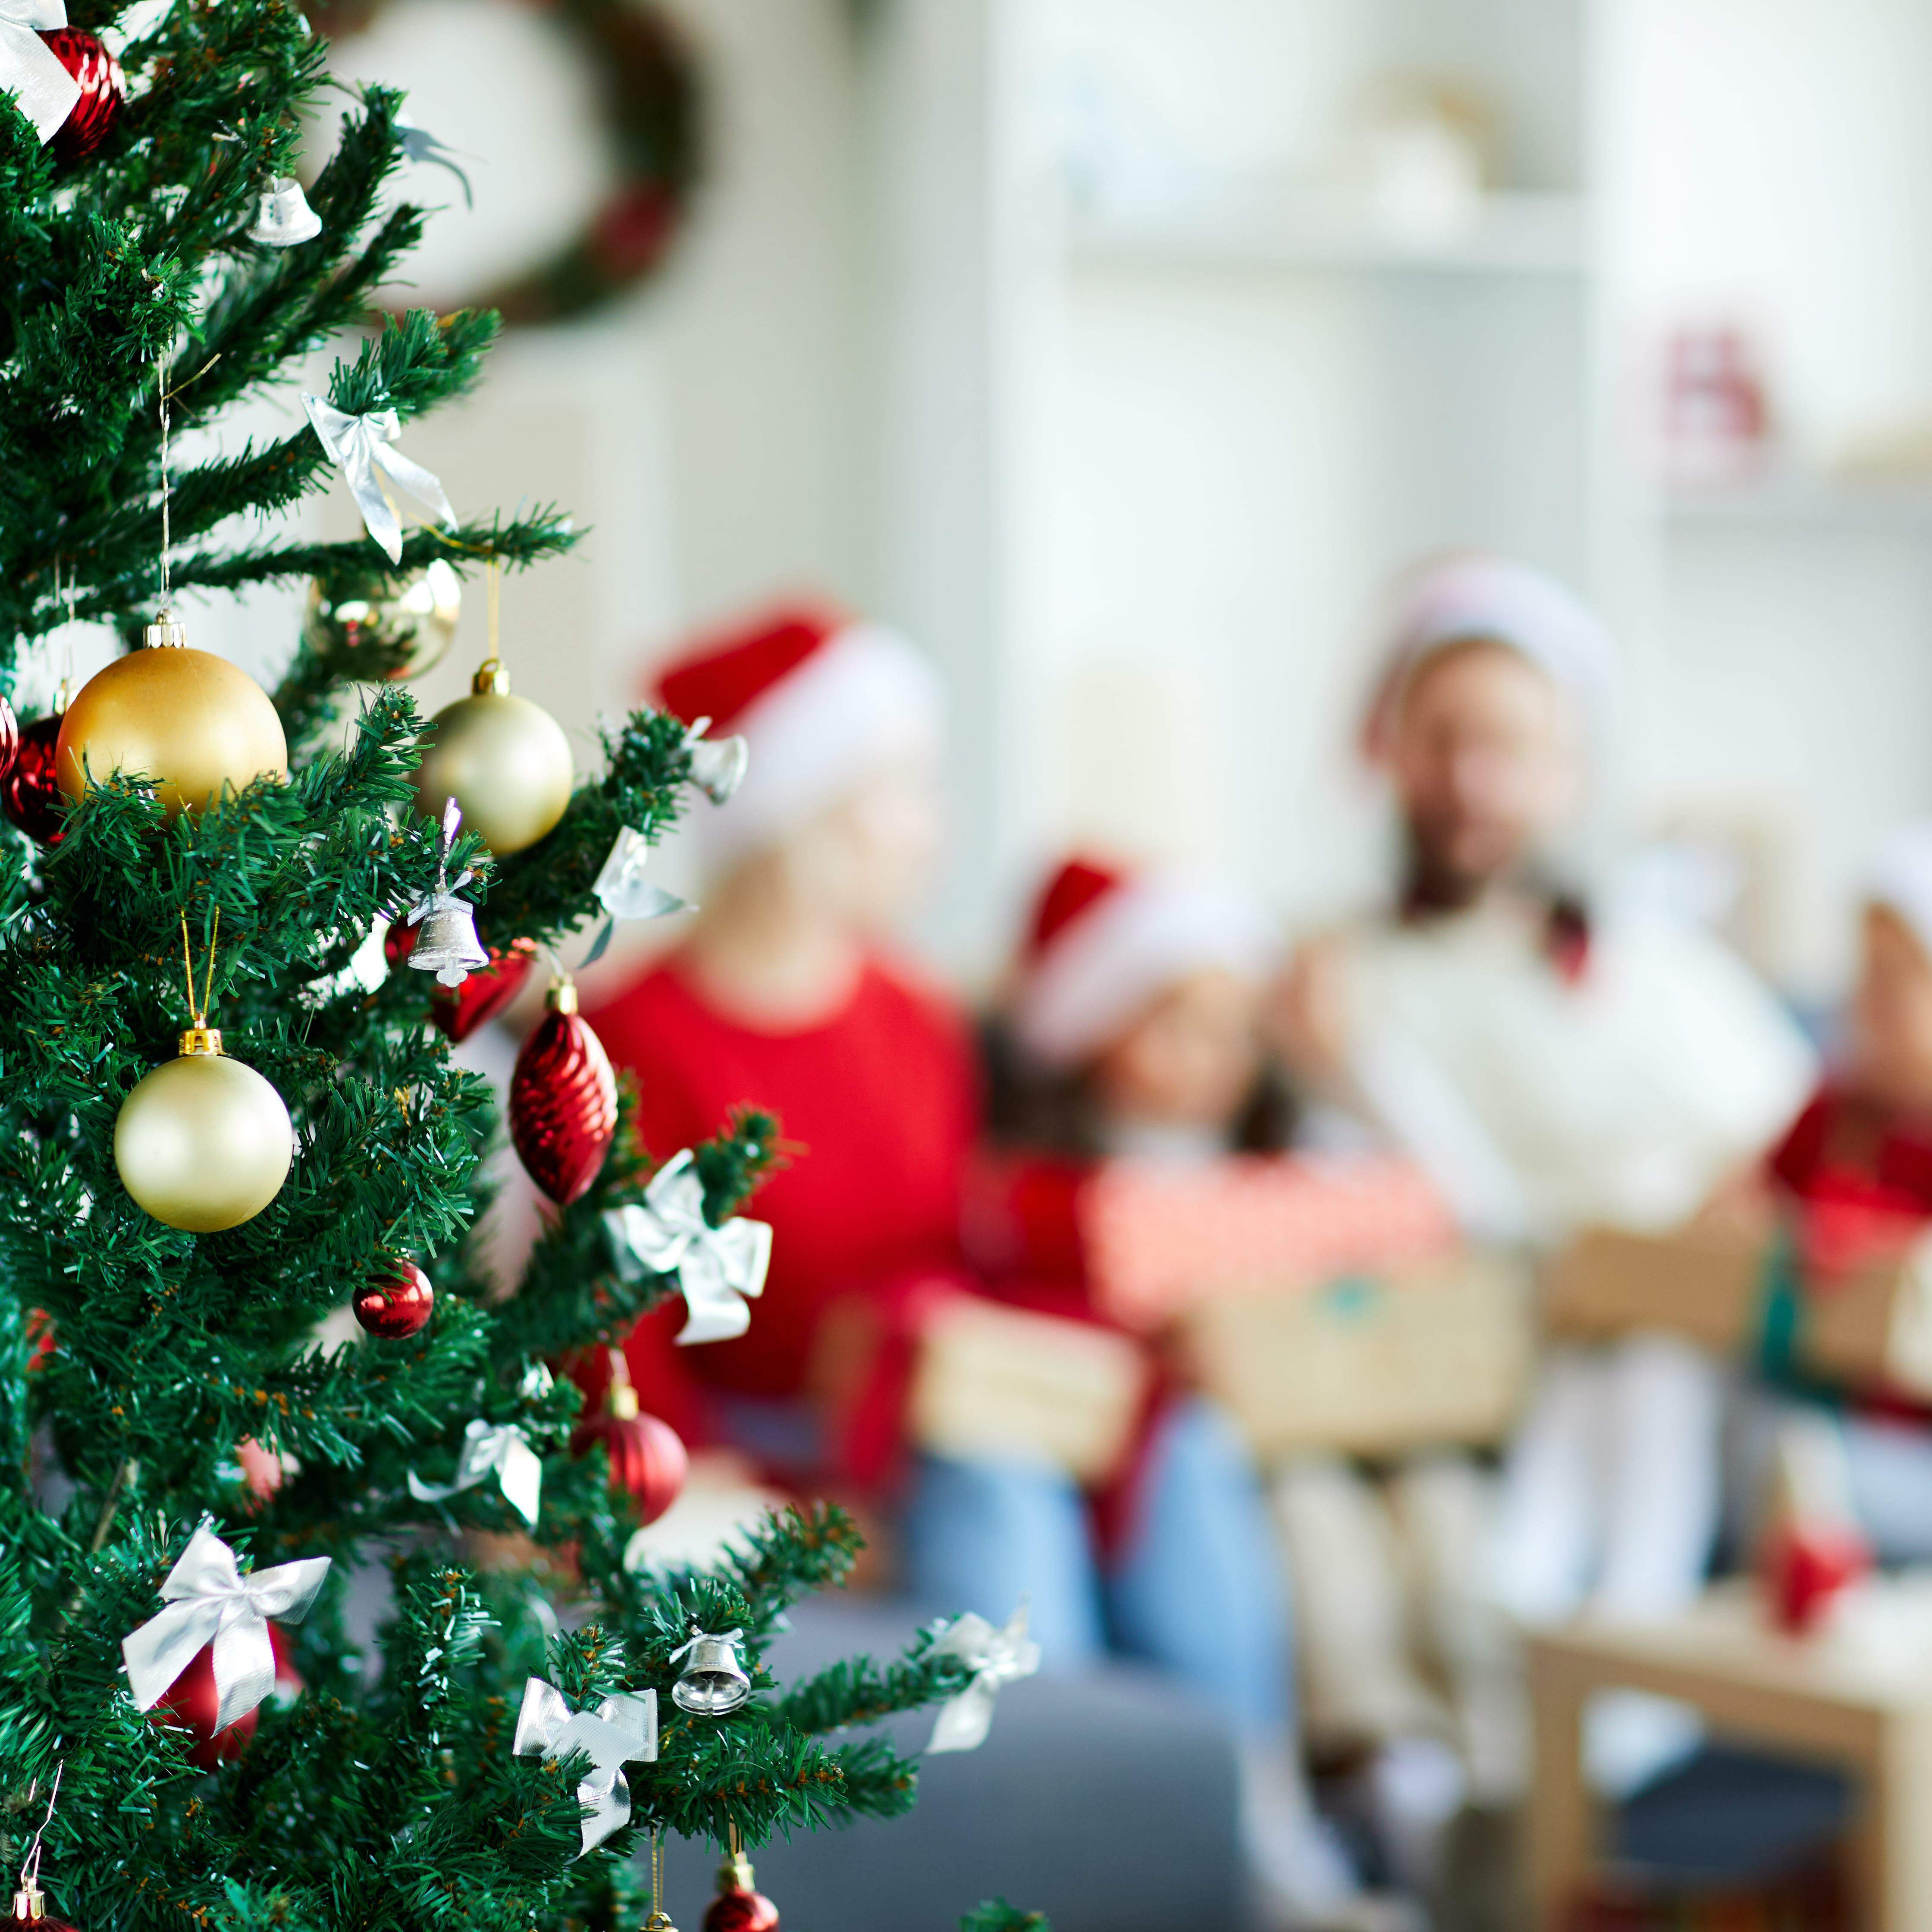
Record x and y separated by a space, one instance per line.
203 1143
383 625
504 760
190 722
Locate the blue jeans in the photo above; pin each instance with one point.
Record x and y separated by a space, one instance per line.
1198 1592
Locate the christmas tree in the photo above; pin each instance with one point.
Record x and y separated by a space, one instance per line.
222 1120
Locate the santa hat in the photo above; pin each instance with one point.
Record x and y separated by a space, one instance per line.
1473 595
1901 881
1104 941
821 698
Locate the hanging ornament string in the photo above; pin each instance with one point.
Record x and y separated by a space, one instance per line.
167 538
493 576
199 1014
660 1920
30 1871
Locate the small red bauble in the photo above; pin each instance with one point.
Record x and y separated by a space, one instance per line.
1810 1567
190 1704
396 1300
30 794
737 1908
648 1462
103 90
30 1909
563 1101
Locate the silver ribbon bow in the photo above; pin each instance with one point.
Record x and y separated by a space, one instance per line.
995 1656
420 145
623 1730
359 446
622 888
283 218
210 1601
43 90
717 767
501 1450
718 1269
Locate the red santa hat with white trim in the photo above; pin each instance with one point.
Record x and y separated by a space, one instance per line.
821 698
1104 940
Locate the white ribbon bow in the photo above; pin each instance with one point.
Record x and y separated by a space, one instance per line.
621 887
718 1269
210 1601
624 1730
500 1450
995 1656
43 90
359 446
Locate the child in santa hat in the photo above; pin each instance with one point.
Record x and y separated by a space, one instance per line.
1131 1031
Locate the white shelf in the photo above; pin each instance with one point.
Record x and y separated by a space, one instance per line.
1507 234
1788 504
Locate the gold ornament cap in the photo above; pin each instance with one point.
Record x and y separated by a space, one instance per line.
735 1874
30 1904
659 1922
491 679
200 1039
166 631
623 1402
561 998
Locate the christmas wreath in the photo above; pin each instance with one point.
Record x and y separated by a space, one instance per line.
647 93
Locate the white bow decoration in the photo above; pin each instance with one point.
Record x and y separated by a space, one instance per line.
359 447
210 1601
500 1450
718 1269
623 1730
621 887
43 90
995 1656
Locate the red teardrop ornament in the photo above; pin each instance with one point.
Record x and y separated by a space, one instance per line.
396 1300
30 794
563 1101
102 90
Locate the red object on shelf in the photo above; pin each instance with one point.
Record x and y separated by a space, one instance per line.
104 91
1808 1567
563 1101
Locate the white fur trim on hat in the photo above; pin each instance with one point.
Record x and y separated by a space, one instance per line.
1901 880
863 699
1106 965
1479 595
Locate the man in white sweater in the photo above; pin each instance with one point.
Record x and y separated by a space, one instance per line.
1554 1059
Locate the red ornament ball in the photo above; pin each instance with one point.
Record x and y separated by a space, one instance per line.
738 1911
648 1462
396 1300
30 794
103 92
459 1011
190 1704
563 1101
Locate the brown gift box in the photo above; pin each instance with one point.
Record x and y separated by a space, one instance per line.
1440 1353
1871 1328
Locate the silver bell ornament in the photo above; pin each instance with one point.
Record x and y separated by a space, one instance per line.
446 942
285 218
717 766
714 1683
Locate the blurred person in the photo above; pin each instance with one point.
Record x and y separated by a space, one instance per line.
788 994
1854 1175
1131 1025
1553 1061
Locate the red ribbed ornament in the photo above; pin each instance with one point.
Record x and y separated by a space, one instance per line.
103 90
563 1100
30 794
737 1908
648 1462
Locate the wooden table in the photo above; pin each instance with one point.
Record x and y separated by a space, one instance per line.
1859 1694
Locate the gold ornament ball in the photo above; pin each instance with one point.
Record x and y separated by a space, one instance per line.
203 1143
407 620
189 720
504 760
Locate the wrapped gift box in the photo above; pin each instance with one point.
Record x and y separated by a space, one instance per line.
1160 1238
1435 1354
997 1381
1869 1328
